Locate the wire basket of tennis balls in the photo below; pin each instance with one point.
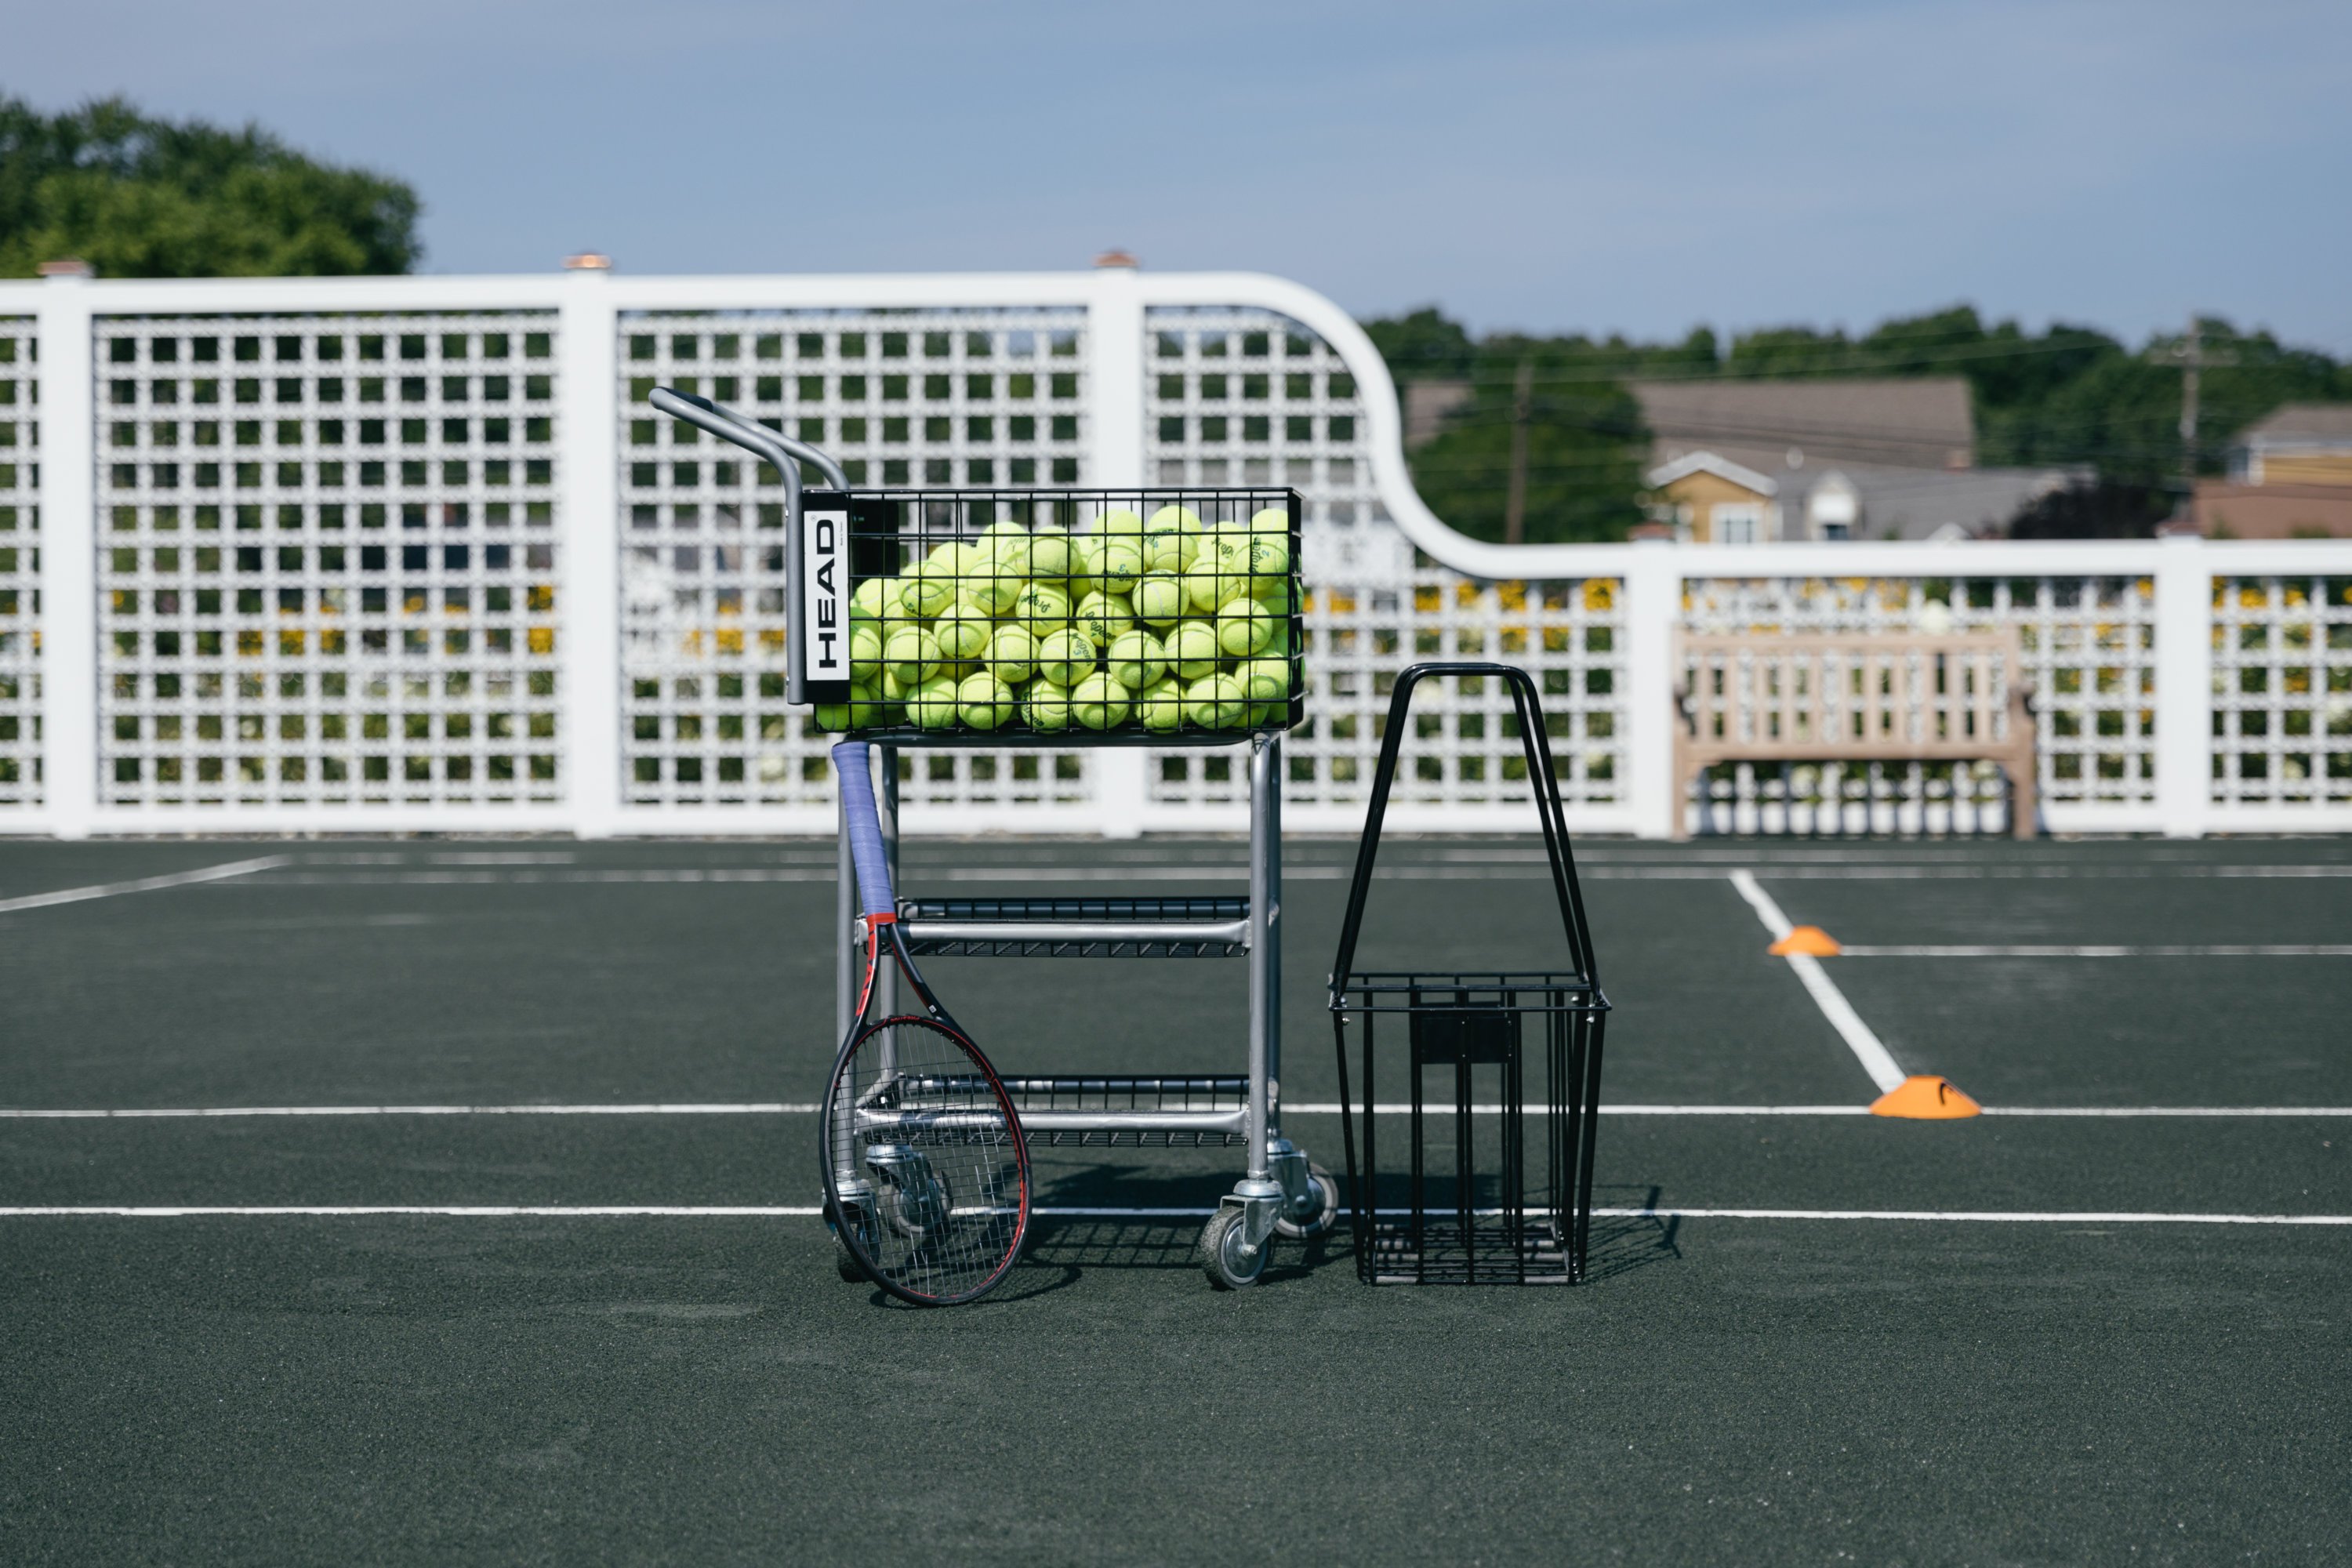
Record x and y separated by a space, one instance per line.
1073 616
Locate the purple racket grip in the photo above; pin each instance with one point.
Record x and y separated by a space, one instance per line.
864 822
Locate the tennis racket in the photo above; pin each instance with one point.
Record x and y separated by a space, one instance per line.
926 1172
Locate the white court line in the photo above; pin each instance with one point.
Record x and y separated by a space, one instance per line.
143 885
810 1211
1310 1107
1875 1058
2205 951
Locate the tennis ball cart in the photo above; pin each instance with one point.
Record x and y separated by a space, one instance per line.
1053 620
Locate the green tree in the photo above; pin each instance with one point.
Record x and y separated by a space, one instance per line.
139 197
1422 346
1585 446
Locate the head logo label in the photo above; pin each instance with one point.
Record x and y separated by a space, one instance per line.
824 598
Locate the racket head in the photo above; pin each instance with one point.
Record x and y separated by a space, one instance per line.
926 1172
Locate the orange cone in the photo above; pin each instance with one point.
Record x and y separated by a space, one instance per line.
1811 941
1925 1097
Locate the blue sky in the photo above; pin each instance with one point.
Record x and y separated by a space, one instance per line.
1638 167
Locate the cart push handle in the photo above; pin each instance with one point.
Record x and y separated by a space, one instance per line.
728 425
1541 774
822 600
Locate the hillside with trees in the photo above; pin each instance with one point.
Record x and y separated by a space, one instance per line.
2068 395
141 197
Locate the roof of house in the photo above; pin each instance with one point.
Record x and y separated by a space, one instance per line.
1721 468
1906 422
2302 424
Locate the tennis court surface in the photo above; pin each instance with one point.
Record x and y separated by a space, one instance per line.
450 1200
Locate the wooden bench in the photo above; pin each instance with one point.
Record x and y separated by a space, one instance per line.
1863 696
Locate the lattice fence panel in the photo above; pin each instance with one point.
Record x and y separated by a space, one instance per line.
1250 396
2090 653
327 560
20 529
903 398
2282 691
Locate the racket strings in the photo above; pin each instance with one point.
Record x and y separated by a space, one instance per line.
927 1167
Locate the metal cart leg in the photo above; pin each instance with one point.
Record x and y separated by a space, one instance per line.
1234 1244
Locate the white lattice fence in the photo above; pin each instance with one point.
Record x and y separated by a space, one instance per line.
2283 691
20 532
327 561
945 398
2090 653
411 553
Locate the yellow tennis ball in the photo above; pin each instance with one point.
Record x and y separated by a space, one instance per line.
928 595
1097 702
1265 680
1161 709
865 645
1047 705
872 598
962 630
910 654
833 718
1066 657
1041 606
1049 554
983 702
1011 654
1117 563
1192 649
1172 519
1270 519
1203 580
1103 616
933 705
1119 520
1244 628
1135 660
1214 702
868 707
1160 599
1269 556
1169 549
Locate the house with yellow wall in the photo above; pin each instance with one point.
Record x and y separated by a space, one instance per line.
1710 500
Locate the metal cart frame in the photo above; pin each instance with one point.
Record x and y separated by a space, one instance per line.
1281 1191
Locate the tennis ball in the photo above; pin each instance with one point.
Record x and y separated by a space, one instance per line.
983 702
833 718
1066 657
927 593
1119 520
1271 520
1103 616
1230 550
1265 680
1160 599
910 654
1192 649
1204 582
1011 654
1161 709
1049 554
962 630
865 646
867 602
994 589
1244 628
1173 519
933 705
1047 705
1041 606
1097 702
1269 556
868 707
1135 660
1214 702
1169 552
1117 563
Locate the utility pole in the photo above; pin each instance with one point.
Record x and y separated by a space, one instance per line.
1514 509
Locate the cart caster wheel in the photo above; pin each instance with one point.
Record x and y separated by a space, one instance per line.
1221 1253
1326 1208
